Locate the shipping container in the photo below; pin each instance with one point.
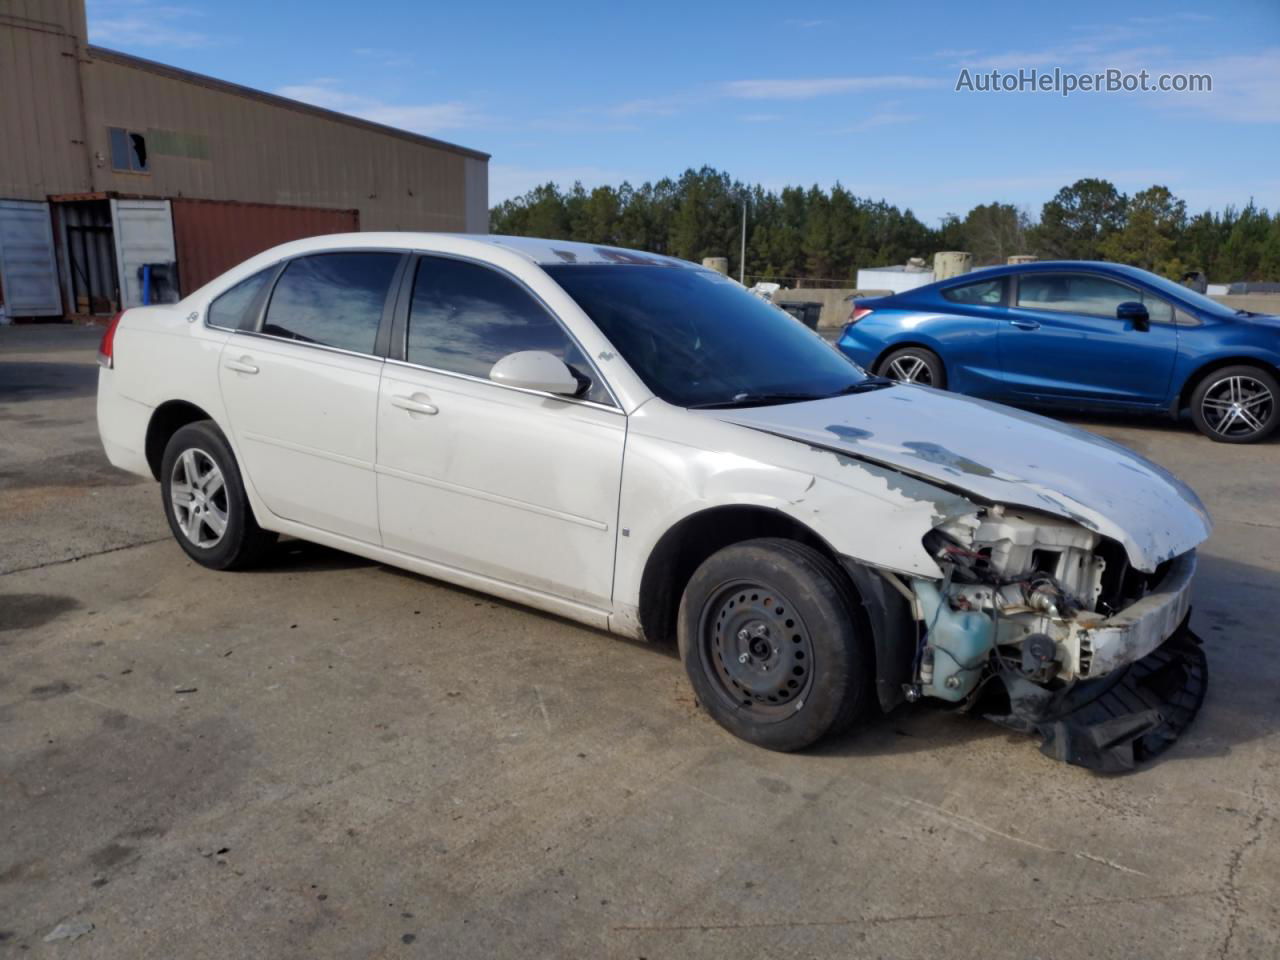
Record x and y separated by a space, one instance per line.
213 236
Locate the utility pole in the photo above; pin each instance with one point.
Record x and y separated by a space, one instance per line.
742 260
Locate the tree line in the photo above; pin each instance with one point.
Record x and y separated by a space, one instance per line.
825 236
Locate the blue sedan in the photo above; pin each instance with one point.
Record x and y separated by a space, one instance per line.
1080 336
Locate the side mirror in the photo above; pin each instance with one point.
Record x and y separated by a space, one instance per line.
535 370
1131 311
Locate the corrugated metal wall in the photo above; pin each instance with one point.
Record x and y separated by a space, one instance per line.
41 122
262 150
212 237
207 138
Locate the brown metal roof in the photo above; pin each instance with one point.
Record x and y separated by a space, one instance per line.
262 96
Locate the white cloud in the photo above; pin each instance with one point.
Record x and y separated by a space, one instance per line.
120 23
1246 86
425 118
806 88
882 118
650 106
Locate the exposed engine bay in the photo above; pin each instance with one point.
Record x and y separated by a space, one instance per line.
1052 616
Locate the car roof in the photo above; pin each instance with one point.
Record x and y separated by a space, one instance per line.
537 250
1040 266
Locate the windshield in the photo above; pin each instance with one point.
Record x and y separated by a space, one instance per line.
1187 295
697 338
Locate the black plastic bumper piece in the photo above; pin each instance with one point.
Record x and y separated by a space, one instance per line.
1116 722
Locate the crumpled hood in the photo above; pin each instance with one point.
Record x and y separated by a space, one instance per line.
1002 455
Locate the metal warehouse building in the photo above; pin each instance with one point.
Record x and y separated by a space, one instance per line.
114 168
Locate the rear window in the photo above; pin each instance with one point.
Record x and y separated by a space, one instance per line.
332 299
989 293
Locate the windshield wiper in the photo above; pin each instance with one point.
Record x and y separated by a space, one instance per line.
864 386
755 400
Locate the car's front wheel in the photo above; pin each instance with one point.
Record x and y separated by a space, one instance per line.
1238 404
914 365
205 502
772 644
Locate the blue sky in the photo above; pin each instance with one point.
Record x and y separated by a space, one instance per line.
791 93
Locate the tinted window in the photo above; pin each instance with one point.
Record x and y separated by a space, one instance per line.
1073 293
695 337
988 293
1160 311
333 299
228 309
464 318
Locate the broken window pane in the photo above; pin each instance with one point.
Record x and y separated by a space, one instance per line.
128 151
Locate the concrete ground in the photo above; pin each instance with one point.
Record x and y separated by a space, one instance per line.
330 758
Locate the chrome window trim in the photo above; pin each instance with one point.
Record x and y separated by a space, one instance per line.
555 318
506 386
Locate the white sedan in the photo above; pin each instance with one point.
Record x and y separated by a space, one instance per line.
639 444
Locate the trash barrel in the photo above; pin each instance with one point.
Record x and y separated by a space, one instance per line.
807 312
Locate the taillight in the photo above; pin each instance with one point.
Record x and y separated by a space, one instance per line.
858 314
106 349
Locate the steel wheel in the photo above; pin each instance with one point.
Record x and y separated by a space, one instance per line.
1237 406
199 496
757 650
910 369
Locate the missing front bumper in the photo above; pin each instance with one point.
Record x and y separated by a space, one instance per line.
1115 722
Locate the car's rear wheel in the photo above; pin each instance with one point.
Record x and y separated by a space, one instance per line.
772 644
205 502
914 365
1239 404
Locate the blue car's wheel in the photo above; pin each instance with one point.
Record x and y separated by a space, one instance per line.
1236 405
914 365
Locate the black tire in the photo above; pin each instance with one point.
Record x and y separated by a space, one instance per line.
914 365
1252 390
240 542
809 612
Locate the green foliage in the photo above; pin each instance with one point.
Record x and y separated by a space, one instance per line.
822 237
1078 219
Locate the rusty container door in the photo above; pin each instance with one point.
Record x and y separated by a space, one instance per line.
212 236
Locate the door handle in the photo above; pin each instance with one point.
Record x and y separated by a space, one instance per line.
414 405
240 366
1025 324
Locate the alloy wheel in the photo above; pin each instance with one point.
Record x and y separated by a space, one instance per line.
199 497
909 368
756 650
1237 406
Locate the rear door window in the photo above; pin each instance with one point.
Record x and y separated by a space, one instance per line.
332 299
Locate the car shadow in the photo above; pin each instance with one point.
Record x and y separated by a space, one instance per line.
42 379
1232 613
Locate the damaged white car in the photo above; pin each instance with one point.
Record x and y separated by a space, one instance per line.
637 443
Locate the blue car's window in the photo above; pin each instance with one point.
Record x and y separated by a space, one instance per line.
696 338
987 293
1186 295
1160 311
1073 293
